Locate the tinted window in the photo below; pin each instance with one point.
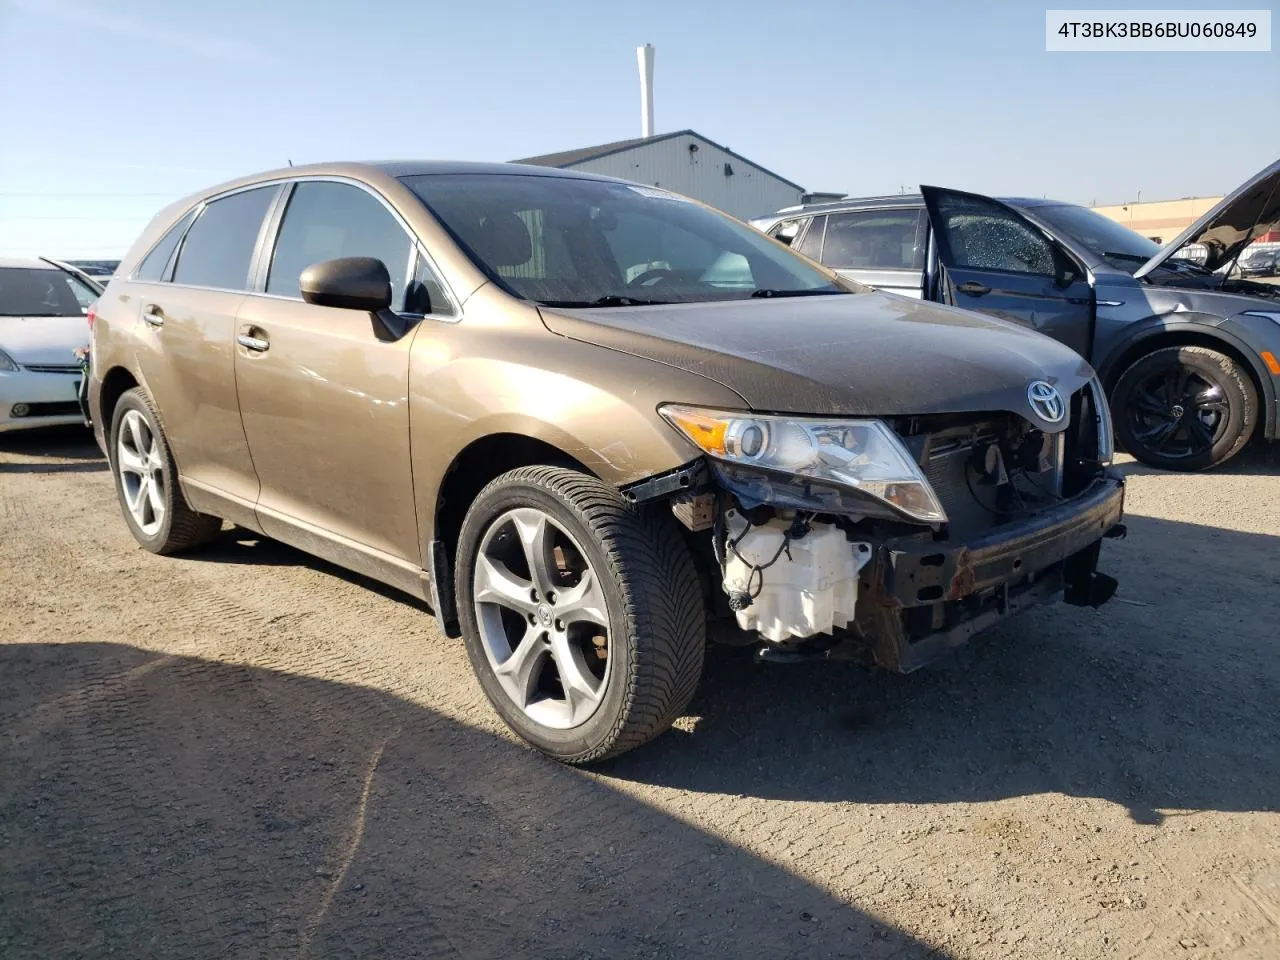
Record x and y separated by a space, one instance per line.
984 236
153 264
219 246
881 239
325 220
579 242
811 243
33 292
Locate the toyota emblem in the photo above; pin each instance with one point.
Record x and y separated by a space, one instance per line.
1046 401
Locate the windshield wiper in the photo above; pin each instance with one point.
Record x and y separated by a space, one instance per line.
610 300
1132 257
762 293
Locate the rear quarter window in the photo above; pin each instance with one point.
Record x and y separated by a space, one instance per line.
154 264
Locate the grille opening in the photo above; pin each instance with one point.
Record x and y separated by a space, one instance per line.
988 469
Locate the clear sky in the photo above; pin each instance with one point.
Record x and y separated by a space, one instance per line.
111 108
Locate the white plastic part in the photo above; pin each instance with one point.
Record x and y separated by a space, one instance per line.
813 591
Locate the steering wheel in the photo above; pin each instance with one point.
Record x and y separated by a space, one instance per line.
654 275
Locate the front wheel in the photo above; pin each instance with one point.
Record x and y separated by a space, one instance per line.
582 614
1184 408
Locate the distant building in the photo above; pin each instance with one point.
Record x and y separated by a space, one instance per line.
1160 220
687 163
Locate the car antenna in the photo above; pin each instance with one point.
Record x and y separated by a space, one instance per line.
290 161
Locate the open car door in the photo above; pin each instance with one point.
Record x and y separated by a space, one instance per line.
992 259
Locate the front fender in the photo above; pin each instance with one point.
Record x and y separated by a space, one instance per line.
1163 330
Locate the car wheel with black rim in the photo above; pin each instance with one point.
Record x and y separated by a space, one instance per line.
1184 408
146 481
582 614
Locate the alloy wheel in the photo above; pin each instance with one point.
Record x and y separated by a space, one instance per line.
542 618
1177 412
139 462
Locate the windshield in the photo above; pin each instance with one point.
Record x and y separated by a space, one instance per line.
35 292
561 241
1114 242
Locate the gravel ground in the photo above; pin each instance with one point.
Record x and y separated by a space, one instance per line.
250 753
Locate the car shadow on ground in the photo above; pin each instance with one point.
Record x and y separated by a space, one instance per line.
172 807
1165 699
237 545
57 449
1259 458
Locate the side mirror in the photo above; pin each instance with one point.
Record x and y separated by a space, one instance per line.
354 283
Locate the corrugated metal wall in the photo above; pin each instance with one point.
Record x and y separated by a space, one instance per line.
747 192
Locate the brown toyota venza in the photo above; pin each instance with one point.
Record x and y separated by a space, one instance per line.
593 425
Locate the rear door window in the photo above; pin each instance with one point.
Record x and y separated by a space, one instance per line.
874 239
326 220
218 248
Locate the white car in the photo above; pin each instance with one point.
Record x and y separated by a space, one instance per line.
43 322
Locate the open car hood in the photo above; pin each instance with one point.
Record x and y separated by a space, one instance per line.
1250 211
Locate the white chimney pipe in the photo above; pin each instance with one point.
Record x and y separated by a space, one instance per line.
644 57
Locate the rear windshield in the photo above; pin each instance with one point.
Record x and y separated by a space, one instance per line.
560 241
33 292
1114 242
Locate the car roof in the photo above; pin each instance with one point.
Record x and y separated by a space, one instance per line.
417 168
26 263
891 201
387 168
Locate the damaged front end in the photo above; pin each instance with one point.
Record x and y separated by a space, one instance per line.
895 539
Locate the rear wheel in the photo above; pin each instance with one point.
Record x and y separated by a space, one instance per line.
146 480
582 614
1184 408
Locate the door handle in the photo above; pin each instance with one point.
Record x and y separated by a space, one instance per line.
973 288
256 344
153 315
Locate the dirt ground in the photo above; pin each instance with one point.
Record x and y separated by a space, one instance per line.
249 753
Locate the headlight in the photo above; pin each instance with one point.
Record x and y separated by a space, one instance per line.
6 363
860 455
1263 313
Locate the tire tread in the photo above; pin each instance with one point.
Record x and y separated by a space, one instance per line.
187 528
664 612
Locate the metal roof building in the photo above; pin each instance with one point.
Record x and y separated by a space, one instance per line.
688 163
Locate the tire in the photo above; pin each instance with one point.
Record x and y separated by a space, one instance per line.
1184 408
639 577
160 520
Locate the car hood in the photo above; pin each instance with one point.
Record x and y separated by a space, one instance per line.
1252 210
43 339
862 354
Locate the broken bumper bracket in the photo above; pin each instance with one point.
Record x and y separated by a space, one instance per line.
926 597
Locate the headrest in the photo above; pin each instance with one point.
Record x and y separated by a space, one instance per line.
501 240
